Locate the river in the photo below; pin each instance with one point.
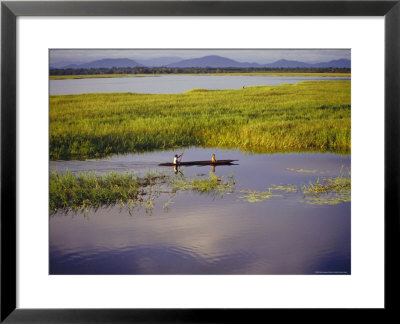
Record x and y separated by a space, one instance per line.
206 233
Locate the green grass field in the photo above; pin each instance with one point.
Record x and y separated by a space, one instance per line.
307 116
284 74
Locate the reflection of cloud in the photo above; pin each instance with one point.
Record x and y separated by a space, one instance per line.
221 236
256 56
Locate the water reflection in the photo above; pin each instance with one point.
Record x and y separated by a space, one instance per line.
210 237
210 234
176 169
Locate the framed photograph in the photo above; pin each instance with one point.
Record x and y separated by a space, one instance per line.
189 161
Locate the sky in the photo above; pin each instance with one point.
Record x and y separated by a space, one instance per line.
261 56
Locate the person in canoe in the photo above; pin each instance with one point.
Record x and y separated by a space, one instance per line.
176 163
213 160
176 158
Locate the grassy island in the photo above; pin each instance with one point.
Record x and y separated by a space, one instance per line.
307 116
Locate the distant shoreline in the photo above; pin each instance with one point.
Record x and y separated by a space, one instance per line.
288 74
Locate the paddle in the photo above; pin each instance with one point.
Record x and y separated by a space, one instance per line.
181 156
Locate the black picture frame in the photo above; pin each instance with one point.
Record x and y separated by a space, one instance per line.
10 10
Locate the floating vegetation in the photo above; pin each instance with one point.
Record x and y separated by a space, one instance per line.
327 200
286 188
328 191
324 191
212 184
81 191
90 190
302 170
253 196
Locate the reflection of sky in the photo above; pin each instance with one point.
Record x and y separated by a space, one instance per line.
254 171
265 238
201 234
252 56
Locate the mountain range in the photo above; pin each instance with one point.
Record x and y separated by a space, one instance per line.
159 61
210 61
105 63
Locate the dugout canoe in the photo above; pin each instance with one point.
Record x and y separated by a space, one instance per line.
218 162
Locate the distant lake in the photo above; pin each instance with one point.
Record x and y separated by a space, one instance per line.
171 83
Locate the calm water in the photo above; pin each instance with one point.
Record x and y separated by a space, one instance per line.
205 234
170 83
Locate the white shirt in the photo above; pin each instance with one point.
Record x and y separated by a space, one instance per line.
175 159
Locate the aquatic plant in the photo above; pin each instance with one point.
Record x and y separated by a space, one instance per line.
85 190
88 189
307 116
286 188
213 184
253 196
323 191
302 170
328 191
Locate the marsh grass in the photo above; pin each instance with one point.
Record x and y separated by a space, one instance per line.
90 190
282 74
79 192
307 116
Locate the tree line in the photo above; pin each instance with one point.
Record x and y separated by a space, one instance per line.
166 70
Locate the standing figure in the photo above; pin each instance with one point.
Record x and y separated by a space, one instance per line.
213 160
176 157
